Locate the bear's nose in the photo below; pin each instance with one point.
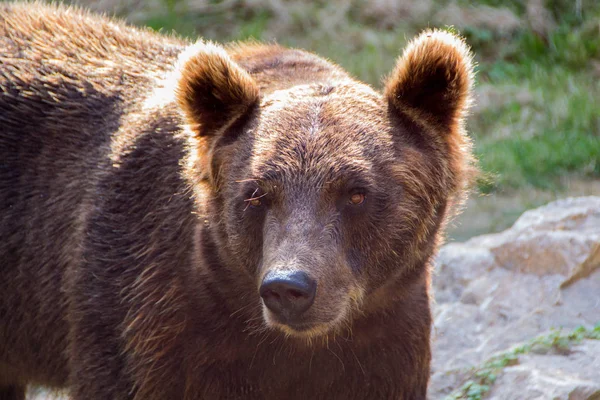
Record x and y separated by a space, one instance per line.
288 293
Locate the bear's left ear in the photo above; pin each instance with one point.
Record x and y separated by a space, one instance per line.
432 81
212 90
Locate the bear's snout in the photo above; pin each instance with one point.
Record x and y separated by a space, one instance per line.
288 294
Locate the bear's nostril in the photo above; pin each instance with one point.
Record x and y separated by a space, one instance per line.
271 293
288 293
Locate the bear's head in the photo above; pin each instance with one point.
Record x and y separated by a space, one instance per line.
323 193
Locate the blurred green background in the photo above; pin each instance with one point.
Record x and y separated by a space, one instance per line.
536 121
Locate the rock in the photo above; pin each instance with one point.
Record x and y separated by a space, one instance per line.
120 7
495 291
495 97
540 19
499 20
387 13
573 377
562 238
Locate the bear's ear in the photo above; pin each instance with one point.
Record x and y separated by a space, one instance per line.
212 90
432 81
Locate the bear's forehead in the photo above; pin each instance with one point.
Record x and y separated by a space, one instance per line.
309 160
346 113
344 94
321 132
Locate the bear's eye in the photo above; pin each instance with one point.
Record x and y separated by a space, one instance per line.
255 199
254 202
357 199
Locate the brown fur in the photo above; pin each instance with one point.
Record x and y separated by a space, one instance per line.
212 88
130 257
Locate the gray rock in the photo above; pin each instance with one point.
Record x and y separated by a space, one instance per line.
574 376
496 19
495 291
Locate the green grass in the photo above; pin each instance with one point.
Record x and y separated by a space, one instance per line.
555 134
481 379
538 142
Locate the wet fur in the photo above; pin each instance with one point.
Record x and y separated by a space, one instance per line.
129 264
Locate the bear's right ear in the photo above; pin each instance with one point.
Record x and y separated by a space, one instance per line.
212 90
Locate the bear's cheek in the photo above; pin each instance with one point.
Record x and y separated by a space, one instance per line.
377 245
243 233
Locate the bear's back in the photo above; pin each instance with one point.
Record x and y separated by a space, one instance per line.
67 81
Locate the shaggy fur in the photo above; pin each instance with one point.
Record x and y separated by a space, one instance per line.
131 254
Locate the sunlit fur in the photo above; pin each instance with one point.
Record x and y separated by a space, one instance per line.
130 260
445 57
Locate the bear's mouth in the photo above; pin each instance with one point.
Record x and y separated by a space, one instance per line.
304 330
304 327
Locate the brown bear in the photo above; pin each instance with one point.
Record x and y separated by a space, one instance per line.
191 221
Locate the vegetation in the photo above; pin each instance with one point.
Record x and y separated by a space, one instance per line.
483 377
